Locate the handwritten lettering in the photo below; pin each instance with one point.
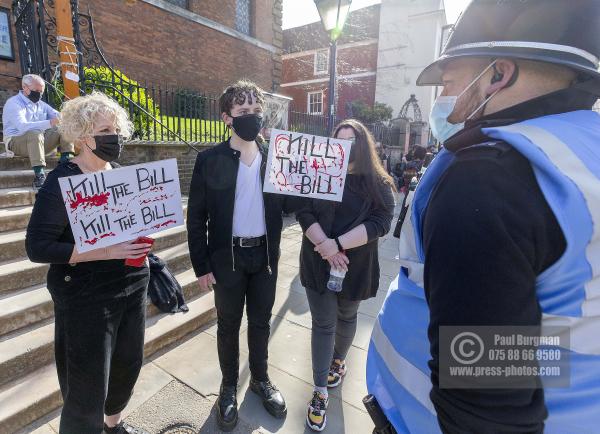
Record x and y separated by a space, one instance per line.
113 206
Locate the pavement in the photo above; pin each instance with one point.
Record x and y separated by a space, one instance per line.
178 387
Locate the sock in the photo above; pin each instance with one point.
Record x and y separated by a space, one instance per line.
38 170
65 156
322 390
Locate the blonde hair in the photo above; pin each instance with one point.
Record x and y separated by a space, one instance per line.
77 116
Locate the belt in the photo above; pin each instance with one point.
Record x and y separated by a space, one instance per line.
249 242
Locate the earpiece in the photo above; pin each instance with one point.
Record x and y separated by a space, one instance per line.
498 76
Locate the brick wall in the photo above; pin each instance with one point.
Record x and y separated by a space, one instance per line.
220 11
152 44
356 89
159 46
136 153
356 65
9 85
350 60
353 62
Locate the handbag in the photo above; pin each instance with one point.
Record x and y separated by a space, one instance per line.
164 290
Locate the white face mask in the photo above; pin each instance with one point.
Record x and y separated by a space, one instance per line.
443 106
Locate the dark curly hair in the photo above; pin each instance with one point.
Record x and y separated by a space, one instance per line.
238 92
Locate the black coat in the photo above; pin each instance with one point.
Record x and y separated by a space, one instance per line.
362 280
49 240
211 205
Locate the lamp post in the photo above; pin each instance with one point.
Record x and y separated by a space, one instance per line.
333 16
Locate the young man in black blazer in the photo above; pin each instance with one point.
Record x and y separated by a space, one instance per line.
234 231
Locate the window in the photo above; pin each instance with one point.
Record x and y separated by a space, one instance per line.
242 16
180 3
315 103
321 62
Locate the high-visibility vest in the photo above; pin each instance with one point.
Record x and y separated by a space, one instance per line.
564 152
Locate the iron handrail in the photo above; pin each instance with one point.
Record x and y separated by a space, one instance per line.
130 101
146 112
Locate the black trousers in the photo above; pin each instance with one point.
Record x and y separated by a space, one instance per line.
99 345
250 283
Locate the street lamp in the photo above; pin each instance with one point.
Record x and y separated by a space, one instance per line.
333 16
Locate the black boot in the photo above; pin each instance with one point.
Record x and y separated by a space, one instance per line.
227 412
271 397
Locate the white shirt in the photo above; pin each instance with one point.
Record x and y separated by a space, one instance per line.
248 212
21 115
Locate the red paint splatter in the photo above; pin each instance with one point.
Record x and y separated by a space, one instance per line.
90 201
160 225
96 239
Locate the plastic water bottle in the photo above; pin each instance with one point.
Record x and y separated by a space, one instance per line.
336 279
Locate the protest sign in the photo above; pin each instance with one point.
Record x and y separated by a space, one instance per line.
307 165
109 207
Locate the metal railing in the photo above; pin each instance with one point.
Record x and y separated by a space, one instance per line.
162 113
317 124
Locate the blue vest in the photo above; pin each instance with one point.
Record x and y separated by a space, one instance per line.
564 152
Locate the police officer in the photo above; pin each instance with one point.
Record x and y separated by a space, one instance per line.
505 224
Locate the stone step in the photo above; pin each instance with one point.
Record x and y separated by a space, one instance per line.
28 399
12 244
22 163
16 178
21 273
29 351
25 309
16 196
34 304
14 218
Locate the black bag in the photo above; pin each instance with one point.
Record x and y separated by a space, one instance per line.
164 290
401 217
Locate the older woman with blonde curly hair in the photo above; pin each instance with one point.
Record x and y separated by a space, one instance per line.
99 302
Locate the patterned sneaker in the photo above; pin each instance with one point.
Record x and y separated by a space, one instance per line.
337 370
316 418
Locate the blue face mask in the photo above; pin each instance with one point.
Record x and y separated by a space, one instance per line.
441 129
443 106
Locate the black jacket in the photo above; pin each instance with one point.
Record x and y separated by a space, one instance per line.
49 240
488 232
362 280
211 205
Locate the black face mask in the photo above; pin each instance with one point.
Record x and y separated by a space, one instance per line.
34 96
108 147
248 126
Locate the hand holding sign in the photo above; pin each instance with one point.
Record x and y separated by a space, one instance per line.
307 165
129 250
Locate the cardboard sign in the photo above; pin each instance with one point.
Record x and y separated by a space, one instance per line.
306 165
113 206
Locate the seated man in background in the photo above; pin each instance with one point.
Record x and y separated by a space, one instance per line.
30 127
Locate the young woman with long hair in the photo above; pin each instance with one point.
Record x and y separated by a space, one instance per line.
343 236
